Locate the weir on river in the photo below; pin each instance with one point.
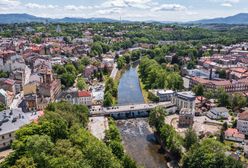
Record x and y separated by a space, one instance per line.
138 138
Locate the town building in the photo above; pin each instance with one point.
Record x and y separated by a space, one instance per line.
229 86
232 134
6 97
186 117
242 123
184 100
165 95
218 113
77 97
50 86
11 121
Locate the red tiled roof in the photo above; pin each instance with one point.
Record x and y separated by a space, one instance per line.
84 94
9 82
233 132
243 116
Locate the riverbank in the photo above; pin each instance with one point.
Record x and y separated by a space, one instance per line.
142 86
140 143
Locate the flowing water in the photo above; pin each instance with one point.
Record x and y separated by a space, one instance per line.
138 138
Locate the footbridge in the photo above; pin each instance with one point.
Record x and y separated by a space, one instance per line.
130 111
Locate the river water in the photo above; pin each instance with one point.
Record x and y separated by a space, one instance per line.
129 91
138 138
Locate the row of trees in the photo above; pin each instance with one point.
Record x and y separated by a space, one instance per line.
110 92
205 153
235 101
154 76
60 139
68 72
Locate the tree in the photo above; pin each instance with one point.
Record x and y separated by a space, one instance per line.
121 62
222 73
117 149
128 162
67 79
238 101
25 162
223 97
209 153
108 100
97 48
157 117
2 107
4 74
190 139
191 65
171 140
198 90
81 83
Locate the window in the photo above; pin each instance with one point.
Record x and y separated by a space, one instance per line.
9 135
2 137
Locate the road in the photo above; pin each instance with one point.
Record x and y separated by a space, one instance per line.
17 100
114 71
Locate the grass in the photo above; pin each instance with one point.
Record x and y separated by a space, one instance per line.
144 91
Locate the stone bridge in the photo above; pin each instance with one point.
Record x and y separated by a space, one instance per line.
130 111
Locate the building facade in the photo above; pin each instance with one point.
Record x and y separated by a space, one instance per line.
184 100
242 123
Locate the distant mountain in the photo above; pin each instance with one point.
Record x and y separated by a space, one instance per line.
241 18
19 18
23 18
82 20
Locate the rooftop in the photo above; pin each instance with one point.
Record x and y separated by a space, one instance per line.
233 132
12 120
220 109
243 116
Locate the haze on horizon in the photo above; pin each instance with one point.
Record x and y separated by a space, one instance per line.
138 10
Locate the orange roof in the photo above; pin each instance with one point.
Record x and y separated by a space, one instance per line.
243 116
240 70
233 132
84 94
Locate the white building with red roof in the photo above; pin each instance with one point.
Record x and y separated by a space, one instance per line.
232 134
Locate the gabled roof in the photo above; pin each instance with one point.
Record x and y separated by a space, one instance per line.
243 116
84 94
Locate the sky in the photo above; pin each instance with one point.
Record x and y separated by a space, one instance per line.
136 10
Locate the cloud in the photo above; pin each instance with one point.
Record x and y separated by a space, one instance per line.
109 11
142 4
39 6
169 7
9 4
226 4
77 8
232 1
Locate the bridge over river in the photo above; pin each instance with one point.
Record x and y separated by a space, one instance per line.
130 111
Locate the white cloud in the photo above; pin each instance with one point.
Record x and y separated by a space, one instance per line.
233 1
77 8
229 3
169 7
142 4
39 6
226 4
109 11
9 2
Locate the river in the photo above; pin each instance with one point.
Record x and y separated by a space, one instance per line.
138 138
